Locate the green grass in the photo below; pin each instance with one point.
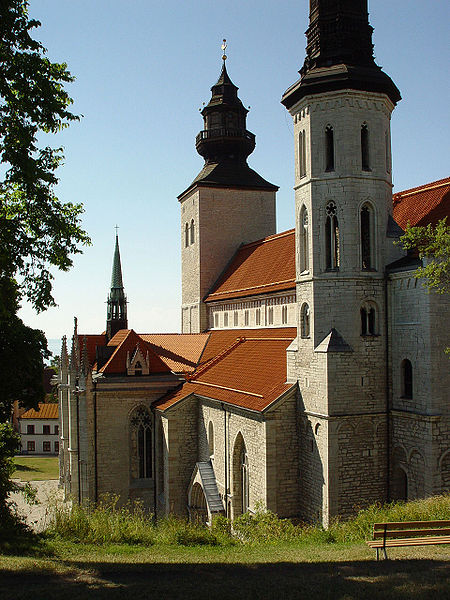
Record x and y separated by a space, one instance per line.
36 468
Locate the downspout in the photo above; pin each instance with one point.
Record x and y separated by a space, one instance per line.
95 445
388 441
152 408
226 458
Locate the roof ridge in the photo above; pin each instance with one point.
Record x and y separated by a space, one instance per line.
252 287
269 238
433 185
214 359
223 387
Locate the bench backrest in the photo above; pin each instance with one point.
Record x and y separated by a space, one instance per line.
410 529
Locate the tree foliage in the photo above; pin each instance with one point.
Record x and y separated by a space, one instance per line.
433 245
37 230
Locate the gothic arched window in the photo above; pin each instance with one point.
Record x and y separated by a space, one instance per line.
368 319
211 438
329 148
365 147
141 442
192 228
304 240
366 227
186 235
244 480
332 242
305 321
407 379
302 154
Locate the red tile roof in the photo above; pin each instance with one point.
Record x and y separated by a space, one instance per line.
423 205
92 341
180 351
45 411
249 373
264 266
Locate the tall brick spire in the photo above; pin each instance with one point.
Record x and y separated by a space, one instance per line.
339 53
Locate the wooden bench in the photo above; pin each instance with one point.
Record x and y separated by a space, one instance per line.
412 533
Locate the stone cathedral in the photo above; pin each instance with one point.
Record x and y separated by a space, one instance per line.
310 374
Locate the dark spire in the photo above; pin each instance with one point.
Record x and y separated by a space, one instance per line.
116 317
339 53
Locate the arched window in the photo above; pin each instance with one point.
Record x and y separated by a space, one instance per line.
211 439
244 480
141 438
329 148
305 321
302 154
284 315
332 245
304 240
192 232
366 227
186 235
407 379
368 319
365 147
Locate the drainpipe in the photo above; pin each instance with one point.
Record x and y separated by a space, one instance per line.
226 457
388 441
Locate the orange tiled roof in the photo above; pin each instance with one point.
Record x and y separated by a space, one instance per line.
250 373
92 341
267 265
180 351
45 411
423 205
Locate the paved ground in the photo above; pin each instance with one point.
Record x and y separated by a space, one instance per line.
37 516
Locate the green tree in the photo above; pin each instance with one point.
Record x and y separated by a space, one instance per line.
38 232
432 244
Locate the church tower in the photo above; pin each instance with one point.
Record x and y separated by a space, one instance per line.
116 314
226 205
341 108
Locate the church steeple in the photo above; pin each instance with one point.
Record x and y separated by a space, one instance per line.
339 53
116 318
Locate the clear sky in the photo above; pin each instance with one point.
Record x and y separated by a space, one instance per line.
143 69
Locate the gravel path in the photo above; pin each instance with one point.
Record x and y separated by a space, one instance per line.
37 516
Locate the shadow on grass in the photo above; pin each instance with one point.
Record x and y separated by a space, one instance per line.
19 467
17 539
397 579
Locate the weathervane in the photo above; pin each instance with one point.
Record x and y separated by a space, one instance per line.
117 230
224 47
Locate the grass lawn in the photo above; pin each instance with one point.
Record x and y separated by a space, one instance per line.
36 468
257 572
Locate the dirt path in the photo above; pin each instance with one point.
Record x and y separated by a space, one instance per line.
37 516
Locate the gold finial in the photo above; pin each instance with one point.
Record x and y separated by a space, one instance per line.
224 47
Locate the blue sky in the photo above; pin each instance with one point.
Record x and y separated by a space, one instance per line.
143 69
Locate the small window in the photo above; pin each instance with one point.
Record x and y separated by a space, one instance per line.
216 320
329 148
30 429
407 379
192 232
211 439
284 315
56 429
56 445
365 147
46 447
304 240
246 318
305 321
46 429
258 316
31 446
225 319
368 319
236 318
270 315
332 241
302 154
186 235
138 368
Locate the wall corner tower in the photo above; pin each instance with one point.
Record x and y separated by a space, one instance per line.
341 108
226 205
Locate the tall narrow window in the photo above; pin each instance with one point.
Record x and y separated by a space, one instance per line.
365 147
368 319
284 315
329 148
387 144
304 321
141 435
304 240
192 232
407 379
332 247
302 154
366 223
258 316
270 315
246 318
186 235
216 319
211 438
244 480
235 318
225 319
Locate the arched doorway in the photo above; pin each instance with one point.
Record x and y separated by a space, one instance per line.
198 507
241 481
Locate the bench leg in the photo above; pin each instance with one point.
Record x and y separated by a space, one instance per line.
385 553
378 555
